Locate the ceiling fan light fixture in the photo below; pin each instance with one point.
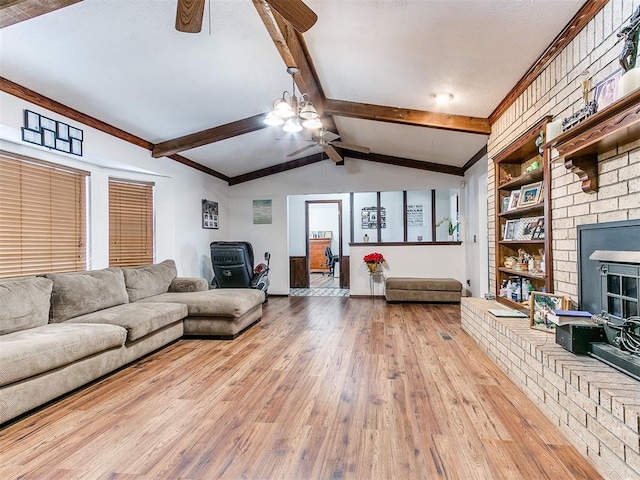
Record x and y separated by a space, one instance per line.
283 109
272 120
312 123
292 125
442 97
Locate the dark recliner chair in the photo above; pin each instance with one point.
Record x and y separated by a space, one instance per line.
232 264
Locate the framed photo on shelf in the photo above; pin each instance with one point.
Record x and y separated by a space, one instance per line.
505 204
541 305
606 91
513 200
530 194
526 228
510 229
538 232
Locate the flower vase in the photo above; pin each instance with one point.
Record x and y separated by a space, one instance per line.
373 268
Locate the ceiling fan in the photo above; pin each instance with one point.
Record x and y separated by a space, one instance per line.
320 140
190 12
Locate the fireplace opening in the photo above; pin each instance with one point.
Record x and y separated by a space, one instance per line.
609 288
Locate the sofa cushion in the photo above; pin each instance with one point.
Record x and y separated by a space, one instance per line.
431 284
25 303
139 319
31 352
77 293
148 280
224 302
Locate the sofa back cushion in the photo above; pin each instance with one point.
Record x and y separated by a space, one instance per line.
77 293
149 280
25 303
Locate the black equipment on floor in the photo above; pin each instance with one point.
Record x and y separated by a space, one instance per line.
232 264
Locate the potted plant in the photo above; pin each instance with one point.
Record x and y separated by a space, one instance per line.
372 260
451 228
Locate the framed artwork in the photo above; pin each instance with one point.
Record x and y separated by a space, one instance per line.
541 305
510 229
606 91
513 200
31 121
63 131
262 213
538 232
47 123
209 214
530 194
48 138
31 136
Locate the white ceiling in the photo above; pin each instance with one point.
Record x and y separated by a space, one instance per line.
123 62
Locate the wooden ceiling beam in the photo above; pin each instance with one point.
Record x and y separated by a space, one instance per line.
282 167
293 50
16 11
198 166
210 135
407 162
407 116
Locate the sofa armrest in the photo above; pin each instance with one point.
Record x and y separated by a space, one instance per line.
188 284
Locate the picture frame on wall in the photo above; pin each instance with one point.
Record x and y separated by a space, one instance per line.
541 305
32 121
210 215
530 195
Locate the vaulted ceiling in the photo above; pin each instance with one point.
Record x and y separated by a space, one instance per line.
371 67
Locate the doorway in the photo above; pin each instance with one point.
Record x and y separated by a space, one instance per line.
323 227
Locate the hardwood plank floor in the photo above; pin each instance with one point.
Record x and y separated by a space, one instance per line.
321 388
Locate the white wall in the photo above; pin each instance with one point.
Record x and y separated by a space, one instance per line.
447 261
475 232
320 178
179 190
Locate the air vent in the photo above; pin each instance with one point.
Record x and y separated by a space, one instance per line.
445 336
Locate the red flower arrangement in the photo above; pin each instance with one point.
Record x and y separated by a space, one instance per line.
373 258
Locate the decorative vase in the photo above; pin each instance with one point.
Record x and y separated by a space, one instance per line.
373 268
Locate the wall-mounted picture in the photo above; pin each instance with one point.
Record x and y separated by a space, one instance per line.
513 200
510 229
262 212
606 91
530 194
541 305
209 214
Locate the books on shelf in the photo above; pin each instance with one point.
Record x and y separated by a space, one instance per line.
565 317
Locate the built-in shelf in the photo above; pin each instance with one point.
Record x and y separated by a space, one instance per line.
522 273
580 146
519 212
529 177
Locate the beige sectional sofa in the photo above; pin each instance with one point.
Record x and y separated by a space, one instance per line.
63 330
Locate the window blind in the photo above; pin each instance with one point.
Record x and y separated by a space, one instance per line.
130 223
42 217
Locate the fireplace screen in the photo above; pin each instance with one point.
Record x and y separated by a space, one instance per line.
620 290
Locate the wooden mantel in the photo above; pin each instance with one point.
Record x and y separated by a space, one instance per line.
613 126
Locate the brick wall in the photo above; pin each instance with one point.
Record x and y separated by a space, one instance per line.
557 91
596 407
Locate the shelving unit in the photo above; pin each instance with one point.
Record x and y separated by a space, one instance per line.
514 169
613 126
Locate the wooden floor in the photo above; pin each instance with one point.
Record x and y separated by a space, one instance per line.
318 280
322 388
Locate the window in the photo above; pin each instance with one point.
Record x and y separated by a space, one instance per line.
130 223
43 226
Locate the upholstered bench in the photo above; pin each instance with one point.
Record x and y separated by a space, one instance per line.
404 289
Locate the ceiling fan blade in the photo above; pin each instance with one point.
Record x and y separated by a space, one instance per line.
349 146
298 152
301 17
189 15
332 153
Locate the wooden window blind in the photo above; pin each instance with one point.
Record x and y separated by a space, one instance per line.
43 225
130 223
